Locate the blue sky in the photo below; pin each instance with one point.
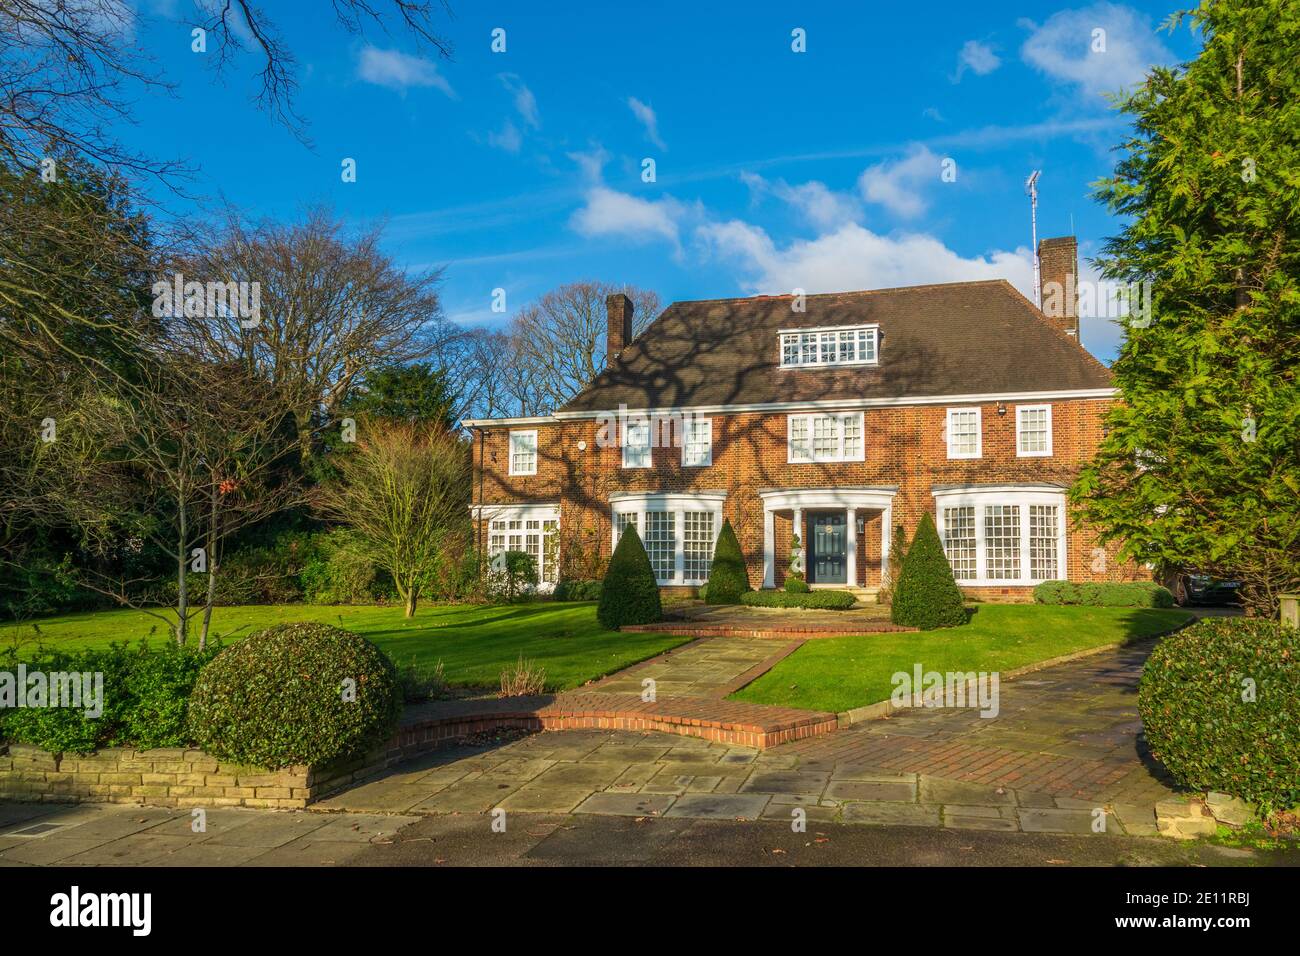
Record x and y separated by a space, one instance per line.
775 169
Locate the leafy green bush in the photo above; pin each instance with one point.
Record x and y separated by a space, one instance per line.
577 591
796 585
302 693
145 699
338 570
1220 706
1126 594
728 578
926 595
818 600
511 575
630 594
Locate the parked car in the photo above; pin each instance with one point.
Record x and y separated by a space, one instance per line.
1203 589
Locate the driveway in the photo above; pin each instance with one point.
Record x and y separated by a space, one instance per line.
1062 756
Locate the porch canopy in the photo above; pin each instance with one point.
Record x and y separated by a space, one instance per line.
850 499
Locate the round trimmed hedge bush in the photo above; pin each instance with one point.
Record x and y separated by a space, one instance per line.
279 698
1195 698
629 594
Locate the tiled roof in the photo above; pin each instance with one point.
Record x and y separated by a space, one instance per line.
960 338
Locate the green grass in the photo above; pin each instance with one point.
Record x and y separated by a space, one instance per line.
474 642
840 673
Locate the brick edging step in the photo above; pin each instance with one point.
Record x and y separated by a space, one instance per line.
811 632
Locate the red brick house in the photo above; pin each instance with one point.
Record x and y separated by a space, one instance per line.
835 416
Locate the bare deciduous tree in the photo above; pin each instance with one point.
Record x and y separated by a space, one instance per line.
332 306
404 489
556 345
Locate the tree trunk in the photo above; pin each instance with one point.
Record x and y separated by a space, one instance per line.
182 595
412 595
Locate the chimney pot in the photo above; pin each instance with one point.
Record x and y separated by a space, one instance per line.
1059 264
618 311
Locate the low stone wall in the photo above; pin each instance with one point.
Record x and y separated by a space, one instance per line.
167 777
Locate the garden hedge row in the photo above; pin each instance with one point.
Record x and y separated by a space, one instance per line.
1220 706
145 699
819 600
1127 594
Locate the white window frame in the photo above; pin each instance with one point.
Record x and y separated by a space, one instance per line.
819 338
638 504
979 432
637 449
707 424
1014 496
510 451
810 418
1034 454
516 538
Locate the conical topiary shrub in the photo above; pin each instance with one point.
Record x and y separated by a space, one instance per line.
925 595
630 594
728 579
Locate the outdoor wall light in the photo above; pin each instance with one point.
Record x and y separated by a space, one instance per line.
862 525
1002 408
582 445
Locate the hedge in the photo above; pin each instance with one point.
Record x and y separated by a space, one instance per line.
819 600
145 699
926 595
1110 594
630 594
302 693
728 578
577 591
1220 706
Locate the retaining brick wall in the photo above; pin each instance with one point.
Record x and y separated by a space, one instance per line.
172 777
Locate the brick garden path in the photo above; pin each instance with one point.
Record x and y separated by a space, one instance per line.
1064 744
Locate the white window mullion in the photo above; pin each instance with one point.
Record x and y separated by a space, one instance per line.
679 544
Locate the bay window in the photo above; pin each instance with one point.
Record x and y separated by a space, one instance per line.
1009 535
678 531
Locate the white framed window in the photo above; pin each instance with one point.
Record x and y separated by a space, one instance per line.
1003 535
964 431
838 345
822 437
636 444
679 531
523 453
533 529
1033 431
697 443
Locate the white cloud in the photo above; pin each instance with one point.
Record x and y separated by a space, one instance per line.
1063 48
399 71
525 102
607 212
898 185
646 117
822 206
853 257
507 138
977 57
592 162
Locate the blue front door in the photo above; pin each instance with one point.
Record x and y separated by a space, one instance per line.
828 560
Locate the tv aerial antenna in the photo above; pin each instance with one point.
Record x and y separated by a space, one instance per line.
1031 187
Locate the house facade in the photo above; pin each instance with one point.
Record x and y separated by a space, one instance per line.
822 421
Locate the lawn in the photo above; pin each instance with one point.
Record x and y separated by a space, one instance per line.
838 674
474 642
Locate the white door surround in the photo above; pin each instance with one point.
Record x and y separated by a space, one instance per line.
851 500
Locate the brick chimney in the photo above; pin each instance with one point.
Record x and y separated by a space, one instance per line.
618 310
1059 264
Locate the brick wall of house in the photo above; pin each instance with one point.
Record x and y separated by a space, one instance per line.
905 446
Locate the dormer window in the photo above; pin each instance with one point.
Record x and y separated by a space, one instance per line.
841 345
